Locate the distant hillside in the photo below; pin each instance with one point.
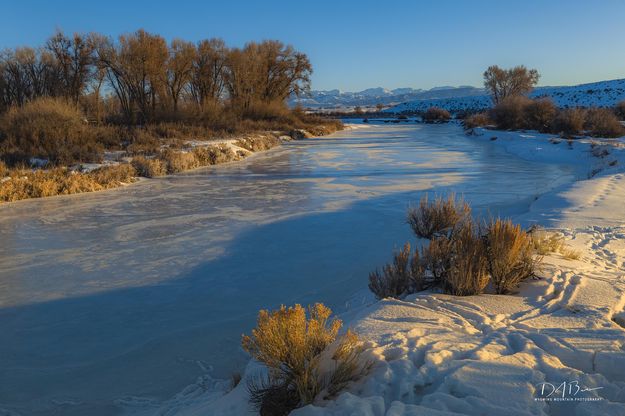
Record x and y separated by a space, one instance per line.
335 99
597 94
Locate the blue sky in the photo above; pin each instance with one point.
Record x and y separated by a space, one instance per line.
359 44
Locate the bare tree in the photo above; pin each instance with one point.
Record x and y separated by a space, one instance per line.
207 82
28 73
266 72
75 59
136 70
503 83
182 56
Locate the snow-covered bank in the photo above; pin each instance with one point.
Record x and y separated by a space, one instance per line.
595 94
556 348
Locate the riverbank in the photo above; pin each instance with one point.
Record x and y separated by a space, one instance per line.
437 354
112 302
122 169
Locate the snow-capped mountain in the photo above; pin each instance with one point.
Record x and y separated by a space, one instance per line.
596 94
336 99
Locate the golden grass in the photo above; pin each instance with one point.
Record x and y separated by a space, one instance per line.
178 161
149 167
258 143
545 243
26 183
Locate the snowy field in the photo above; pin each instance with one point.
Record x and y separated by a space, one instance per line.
112 303
596 94
555 348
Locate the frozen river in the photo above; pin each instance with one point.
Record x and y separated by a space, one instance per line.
136 292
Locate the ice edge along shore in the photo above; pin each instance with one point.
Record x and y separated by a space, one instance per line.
437 354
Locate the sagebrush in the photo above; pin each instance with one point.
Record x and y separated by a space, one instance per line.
305 357
462 256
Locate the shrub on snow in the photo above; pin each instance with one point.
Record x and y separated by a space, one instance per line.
510 254
304 355
461 257
404 275
430 219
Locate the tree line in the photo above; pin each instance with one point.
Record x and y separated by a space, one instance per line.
144 78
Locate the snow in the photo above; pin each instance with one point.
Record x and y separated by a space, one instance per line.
596 94
82 338
437 354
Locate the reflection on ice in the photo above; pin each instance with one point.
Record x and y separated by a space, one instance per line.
123 293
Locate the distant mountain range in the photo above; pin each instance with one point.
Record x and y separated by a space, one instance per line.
336 99
454 99
595 94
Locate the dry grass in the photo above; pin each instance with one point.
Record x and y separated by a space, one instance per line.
510 255
150 160
179 161
405 275
110 176
258 143
149 167
570 254
545 243
293 345
441 216
143 142
26 183
48 128
214 155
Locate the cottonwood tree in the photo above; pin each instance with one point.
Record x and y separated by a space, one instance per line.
74 57
266 72
207 78
180 62
136 70
28 73
145 75
503 83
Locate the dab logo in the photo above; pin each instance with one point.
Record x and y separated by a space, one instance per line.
566 391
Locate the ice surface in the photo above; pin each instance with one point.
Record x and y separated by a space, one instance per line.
119 299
